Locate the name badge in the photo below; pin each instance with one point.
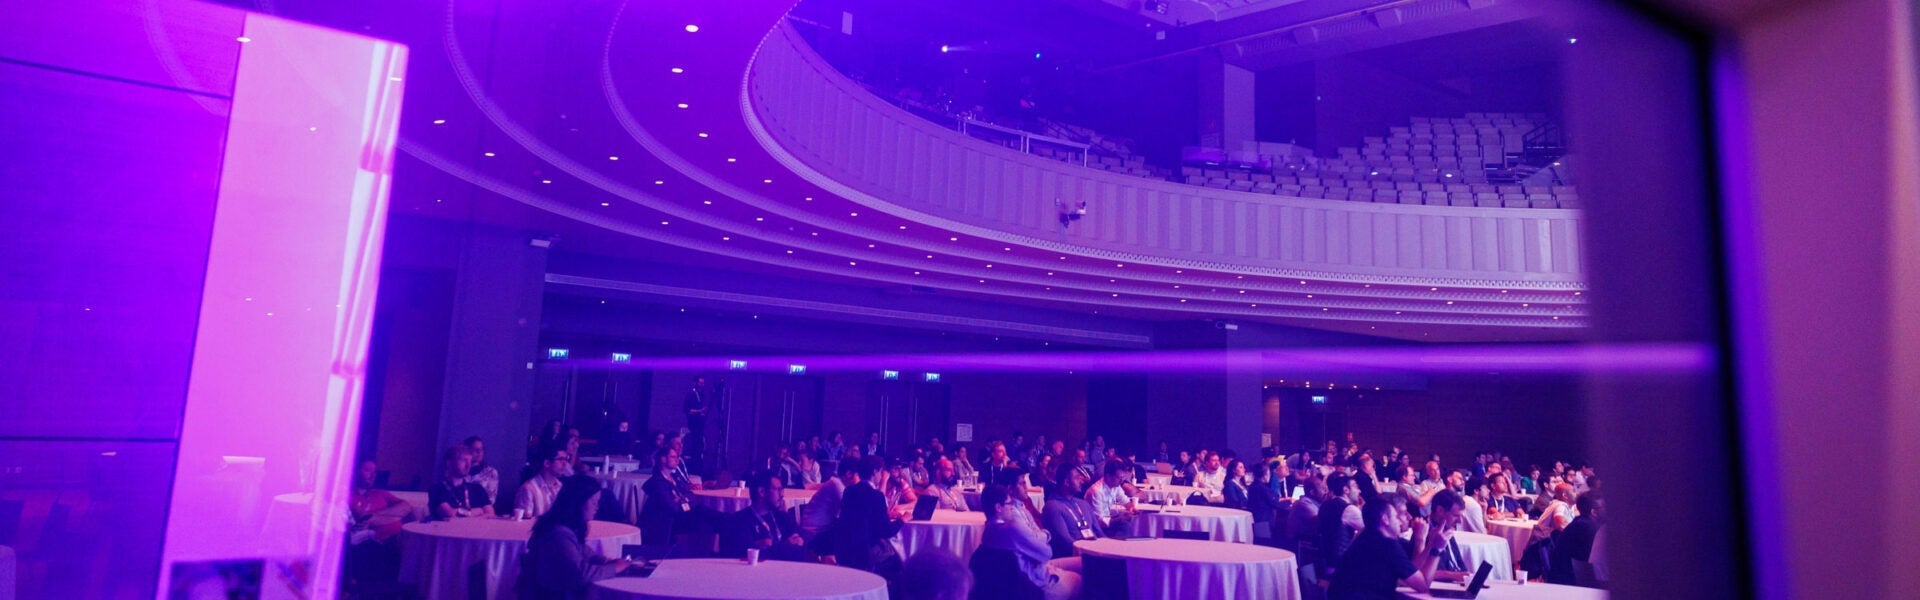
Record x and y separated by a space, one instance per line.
684 507
1086 533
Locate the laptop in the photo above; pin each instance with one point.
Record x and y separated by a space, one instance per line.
645 558
923 509
1473 589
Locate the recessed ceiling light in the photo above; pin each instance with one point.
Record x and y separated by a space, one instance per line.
725 239
1303 282
678 70
1433 289
1576 293
729 159
766 181
953 239
606 204
853 214
929 256
916 272
989 266
546 181
903 227
664 223
869 245
1449 302
703 134
1243 291
808 198
762 219
983 281
489 154
1309 295
659 182
707 202
681 105
613 158
852 264
691 28
789 252
1116 295
244 39
439 121
1118 265
1556 318
1503 291
1049 273
816 234
1183 299
1254 305
1525 305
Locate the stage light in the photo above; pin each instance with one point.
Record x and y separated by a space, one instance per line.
693 28
943 48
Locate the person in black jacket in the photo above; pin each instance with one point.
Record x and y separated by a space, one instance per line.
1338 522
558 564
765 525
1575 543
866 523
669 505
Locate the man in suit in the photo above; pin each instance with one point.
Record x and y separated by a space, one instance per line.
765 525
668 509
698 404
866 522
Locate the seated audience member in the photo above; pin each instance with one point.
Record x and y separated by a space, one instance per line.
454 495
1012 529
482 474
872 447
1367 477
765 524
1502 501
1211 479
1474 494
1235 493
818 514
372 553
1378 561
962 465
918 475
1020 484
934 576
1530 481
669 501
1183 469
861 535
1449 512
558 563
1044 468
1558 513
1067 517
537 493
1264 502
1407 485
1088 465
783 465
946 486
1340 518
998 463
836 447
899 489
1303 517
1160 454
809 470
1575 545
1109 499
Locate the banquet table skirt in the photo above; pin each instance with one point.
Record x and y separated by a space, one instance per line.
956 532
1163 494
1200 570
416 503
1220 524
1515 591
627 492
439 555
734 579
732 500
1517 534
1492 549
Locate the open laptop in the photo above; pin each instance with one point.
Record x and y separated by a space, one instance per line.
1473 589
645 558
923 509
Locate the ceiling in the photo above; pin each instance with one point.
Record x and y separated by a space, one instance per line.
617 128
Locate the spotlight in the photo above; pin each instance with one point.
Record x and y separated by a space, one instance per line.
693 29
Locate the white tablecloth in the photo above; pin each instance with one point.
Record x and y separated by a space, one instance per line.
734 579
1160 478
1197 570
1163 494
8 581
732 500
626 491
416 501
1514 591
1517 534
957 532
613 463
1220 524
437 555
1478 547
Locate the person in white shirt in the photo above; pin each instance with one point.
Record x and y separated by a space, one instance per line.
1109 496
1558 514
1212 479
537 493
819 513
1473 491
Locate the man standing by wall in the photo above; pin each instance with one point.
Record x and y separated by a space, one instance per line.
698 404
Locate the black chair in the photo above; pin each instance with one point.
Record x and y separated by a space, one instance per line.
1184 535
996 575
1103 578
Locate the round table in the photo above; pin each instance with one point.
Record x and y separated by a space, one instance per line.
956 532
437 555
1198 570
1514 591
734 579
1492 549
733 500
1220 524
616 464
1164 494
627 490
1160 478
1517 532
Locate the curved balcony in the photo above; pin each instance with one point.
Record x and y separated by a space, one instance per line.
832 131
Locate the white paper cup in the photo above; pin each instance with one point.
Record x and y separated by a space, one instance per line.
753 556
1520 576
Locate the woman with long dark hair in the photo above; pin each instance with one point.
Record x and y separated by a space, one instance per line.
558 564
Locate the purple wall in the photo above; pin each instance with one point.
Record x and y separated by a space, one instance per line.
1533 419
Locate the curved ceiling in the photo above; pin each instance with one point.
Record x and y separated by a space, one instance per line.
628 118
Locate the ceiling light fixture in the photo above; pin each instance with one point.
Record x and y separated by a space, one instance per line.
613 158
678 70
681 105
439 121
691 28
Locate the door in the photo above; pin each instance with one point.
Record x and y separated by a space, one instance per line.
889 411
787 407
930 413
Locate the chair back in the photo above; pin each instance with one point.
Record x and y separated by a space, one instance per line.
996 575
1103 577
